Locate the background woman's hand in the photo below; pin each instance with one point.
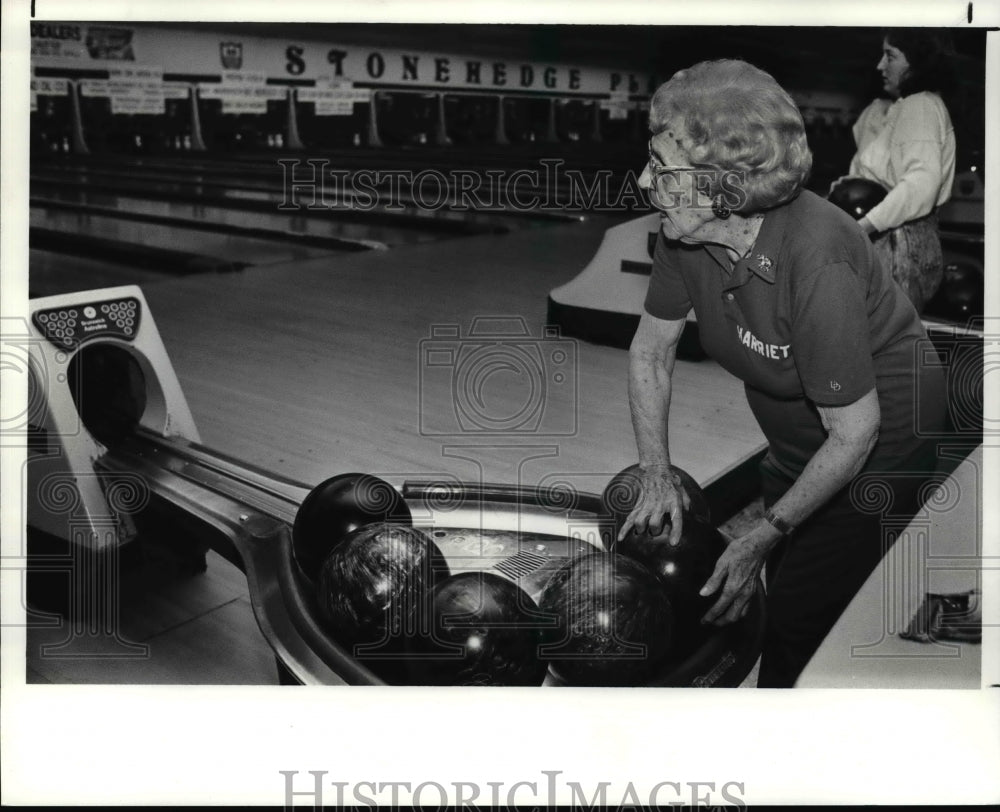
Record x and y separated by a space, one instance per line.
737 572
661 497
866 226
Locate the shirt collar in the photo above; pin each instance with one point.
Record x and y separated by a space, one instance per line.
763 258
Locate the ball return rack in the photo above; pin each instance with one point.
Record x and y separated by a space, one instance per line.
113 448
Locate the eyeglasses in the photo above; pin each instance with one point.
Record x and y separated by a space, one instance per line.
665 181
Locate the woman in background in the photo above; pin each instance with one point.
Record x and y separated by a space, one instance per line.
907 144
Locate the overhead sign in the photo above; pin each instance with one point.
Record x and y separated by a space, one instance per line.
132 90
184 52
82 41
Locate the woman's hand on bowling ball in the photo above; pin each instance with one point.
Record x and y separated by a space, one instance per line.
737 572
662 497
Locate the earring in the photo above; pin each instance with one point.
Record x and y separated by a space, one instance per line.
719 210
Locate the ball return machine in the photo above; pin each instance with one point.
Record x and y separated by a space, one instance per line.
114 454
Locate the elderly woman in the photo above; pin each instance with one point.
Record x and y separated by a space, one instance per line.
907 144
791 299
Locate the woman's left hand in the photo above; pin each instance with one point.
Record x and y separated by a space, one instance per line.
737 571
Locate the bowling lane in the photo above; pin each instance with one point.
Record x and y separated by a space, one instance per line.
210 244
285 226
435 200
358 396
619 159
50 273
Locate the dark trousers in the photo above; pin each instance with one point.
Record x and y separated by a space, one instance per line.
812 575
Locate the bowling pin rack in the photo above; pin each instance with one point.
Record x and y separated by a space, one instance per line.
92 493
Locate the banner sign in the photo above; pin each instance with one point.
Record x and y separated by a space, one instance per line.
258 59
80 41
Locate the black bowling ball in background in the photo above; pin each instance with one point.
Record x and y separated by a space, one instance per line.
961 292
374 593
485 630
613 622
622 492
857 196
338 506
961 296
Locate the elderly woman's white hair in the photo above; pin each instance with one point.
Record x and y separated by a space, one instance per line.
732 116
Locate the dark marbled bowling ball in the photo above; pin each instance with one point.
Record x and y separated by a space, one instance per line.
683 568
613 621
374 593
485 630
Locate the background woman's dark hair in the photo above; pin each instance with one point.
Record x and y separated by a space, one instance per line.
929 52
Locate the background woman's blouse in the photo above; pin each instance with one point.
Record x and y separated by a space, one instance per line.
909 147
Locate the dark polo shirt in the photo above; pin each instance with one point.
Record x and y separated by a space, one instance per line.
808 318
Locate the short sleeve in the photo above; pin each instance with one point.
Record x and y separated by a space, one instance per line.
830 336
667 296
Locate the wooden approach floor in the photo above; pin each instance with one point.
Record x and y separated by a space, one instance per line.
314 368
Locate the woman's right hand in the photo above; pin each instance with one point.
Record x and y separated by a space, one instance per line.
661 497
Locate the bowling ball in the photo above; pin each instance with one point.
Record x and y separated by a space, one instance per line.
857 196
336 507
684 569
622 492
962 291
374 590
726 658
613 621
485 630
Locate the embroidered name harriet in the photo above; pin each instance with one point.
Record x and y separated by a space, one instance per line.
748 339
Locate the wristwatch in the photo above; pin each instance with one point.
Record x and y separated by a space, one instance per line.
778 523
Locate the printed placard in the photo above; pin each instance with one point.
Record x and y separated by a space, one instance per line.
334 97
176 90
90 88
617 105
235 77
136 73
232 107
50 86
334 108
